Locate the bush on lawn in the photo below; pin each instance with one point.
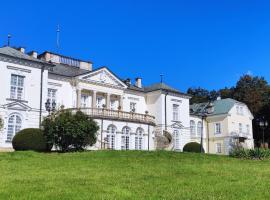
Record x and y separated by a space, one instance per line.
29 139
192 147
257 153
1 123
68 131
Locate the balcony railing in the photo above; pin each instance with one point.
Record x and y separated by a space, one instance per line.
100 113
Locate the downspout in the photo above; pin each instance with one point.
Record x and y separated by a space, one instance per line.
101 133
208 139
166 110
202 135
41 95
148 137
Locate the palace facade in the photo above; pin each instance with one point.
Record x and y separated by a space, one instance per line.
130 116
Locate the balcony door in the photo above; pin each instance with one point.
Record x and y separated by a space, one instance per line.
85 101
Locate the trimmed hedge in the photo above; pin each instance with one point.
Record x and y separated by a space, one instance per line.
192 147
30 139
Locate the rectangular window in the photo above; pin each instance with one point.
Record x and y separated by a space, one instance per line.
237 110
240 128
16 87
218 147
84 100
99 102
217 128
248 130
175 112
133 107
241 111
51 96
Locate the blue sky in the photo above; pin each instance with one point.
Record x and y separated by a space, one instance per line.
193 43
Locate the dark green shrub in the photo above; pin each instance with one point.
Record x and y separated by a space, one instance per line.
1 123
257 153
29 139
192 147
69 132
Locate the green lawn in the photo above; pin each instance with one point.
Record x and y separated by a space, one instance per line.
131 175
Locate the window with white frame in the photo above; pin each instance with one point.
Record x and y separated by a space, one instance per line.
240 128
51 96
237 110
16 87
218 148
199 128
175 112
241 110
84 100
99 102
217 128
133 107
111 134
14 126
113 105
125 138
192 128
176 139
139 139
248 129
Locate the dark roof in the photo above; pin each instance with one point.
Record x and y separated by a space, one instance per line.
156 87
222 106
9 51
67 70
160 86
40 55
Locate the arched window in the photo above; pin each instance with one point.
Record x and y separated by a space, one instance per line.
192 128
139 139
199 129
111 132
125 138
176 135
14 126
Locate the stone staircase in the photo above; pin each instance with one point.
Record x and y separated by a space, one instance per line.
163 140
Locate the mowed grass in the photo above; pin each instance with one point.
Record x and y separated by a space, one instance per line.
131 175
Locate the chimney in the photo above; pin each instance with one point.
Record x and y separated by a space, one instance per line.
33 54
138 82
128 81
21 49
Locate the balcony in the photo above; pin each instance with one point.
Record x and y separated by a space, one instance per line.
237 134
100 113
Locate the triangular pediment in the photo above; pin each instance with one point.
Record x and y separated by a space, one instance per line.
16 105
177 125
103 76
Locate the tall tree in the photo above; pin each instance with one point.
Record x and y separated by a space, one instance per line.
253 91
199 95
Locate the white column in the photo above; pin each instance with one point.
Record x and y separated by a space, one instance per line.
78 98
121 102
94 99
108 103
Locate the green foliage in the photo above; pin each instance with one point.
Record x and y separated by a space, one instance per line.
1 123
29 139
192 147
257 153
69 131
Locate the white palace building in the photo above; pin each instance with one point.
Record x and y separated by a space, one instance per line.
130 116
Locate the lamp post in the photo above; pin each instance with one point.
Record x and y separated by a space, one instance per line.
50 107
263 125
